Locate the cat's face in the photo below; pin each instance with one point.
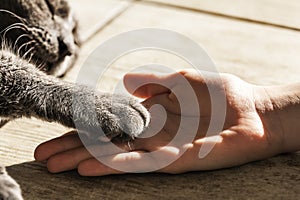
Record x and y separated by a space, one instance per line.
43 31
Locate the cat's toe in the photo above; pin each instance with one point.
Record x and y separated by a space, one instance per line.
126 118
134 118
107 116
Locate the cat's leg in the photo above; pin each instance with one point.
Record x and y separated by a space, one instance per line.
9 188
26 91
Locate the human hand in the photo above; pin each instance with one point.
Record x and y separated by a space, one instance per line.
245 135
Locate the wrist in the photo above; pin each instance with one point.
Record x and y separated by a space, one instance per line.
279 109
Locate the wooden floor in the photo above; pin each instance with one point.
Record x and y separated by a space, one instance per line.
257 40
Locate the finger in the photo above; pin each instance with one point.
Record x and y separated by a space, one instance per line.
131 162
168 159
66 142
104 165
164 101
92 167
147 85
73 132
225 153
151 140
69 159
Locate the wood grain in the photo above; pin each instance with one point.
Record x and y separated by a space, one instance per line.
94 16
258 53
274 178
277 12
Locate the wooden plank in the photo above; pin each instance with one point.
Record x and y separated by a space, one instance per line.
95 15
277 12
274 178
20 137
257 53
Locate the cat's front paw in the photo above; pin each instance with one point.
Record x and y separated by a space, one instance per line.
121 116
117 116
9 188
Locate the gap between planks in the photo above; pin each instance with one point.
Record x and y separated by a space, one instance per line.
108 19
219 14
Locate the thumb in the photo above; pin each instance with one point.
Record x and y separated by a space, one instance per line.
148 85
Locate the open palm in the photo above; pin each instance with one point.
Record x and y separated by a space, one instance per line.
179 131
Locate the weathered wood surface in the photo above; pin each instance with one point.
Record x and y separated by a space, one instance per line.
275 178
277 12
258 53
94 15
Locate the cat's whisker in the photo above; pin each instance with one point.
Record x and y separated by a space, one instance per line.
20 25
25 54
23 45
30 58
40 66
4 42
11 28
23 35
13 14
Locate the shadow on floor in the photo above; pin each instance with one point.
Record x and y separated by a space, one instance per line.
274 178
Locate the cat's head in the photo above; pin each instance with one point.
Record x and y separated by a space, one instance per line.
42 31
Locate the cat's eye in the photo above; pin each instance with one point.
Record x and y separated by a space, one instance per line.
62 12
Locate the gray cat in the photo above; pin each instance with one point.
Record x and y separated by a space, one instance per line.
38 39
